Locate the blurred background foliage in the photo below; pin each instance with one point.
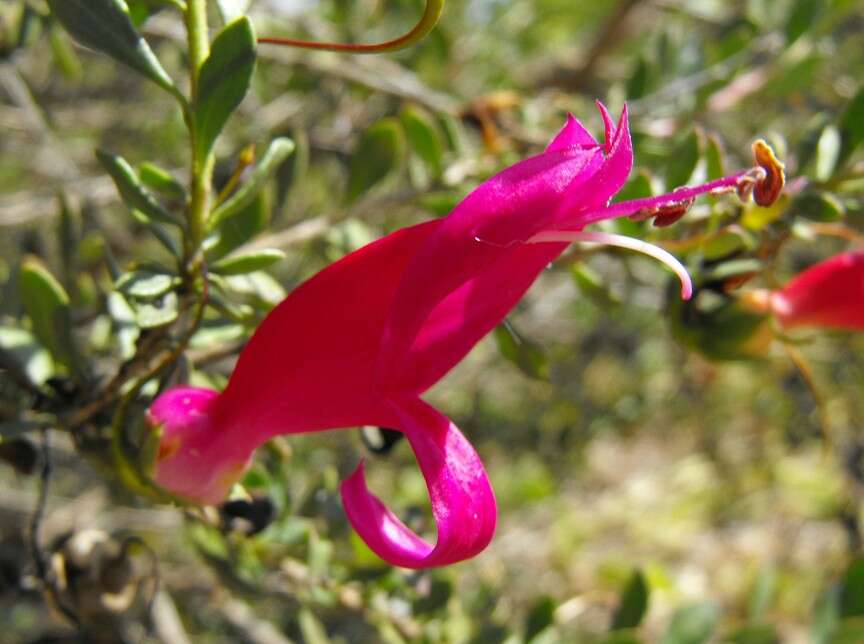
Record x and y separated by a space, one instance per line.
666 472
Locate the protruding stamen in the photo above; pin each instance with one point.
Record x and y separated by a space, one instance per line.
768 189
622 242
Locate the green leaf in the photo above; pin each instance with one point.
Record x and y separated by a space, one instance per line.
47 306
105 25
682 161
591 286
852 590
379 153
276 153
633 604
762 594
801 18
726 243
146 283
527 356
157 178
131 190
223 82
157 312
64 54
852 126
248 262
20 347
754 634
238 229
540 617
827 152
311 628
423 136
692 624
818 206
714 164
826 616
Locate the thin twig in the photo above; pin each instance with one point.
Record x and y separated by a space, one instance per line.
829 444
40 561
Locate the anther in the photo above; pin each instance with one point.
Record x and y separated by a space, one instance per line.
669 214
768 189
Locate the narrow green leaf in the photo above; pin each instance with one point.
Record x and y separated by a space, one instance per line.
131 190
634 602
801 18
682 161
158 178
423 136
18 347
379 152
714 163
591 285
852 126
852 590
248 262
754 634
692 624
238 229
146 283
827 152
157 312
762 594
105 25
527 356
818 206
540 617
64 54
47 306
311 628
223 82
726 243
274 156
826 616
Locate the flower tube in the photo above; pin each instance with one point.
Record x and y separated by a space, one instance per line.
829 295
361 341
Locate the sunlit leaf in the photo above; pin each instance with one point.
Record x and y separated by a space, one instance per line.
105 25
248 262
379 153
223 82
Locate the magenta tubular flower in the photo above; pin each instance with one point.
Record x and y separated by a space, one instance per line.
829 294
359 343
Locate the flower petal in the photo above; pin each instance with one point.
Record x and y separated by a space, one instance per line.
587 196
321 345
608 124
572 134
829 294
463 503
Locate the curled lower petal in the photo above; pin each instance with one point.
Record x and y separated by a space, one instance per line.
623 242
462 500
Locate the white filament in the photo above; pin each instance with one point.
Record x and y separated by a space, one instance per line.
622 242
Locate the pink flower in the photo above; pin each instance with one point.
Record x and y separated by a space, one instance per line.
829 294
359 343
